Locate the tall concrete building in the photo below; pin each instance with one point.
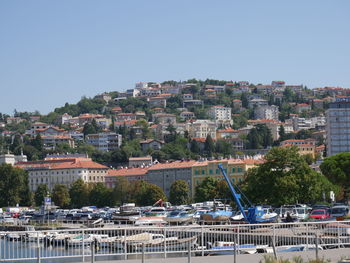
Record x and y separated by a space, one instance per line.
338 126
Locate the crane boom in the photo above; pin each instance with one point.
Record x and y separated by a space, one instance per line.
234 193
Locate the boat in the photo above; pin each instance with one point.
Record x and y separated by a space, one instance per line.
84 240
127 213
13 237
179 217
155 242
150 220
157 211
216 216
227 248
295 248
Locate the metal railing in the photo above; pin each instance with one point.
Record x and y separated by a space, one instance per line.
126 242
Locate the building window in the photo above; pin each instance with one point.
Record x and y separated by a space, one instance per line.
210 171
217 171
233 170
239 170
196 172
203 171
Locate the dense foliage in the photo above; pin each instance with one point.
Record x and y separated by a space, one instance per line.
337 169
285 178
14 187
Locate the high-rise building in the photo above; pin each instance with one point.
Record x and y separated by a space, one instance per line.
338 126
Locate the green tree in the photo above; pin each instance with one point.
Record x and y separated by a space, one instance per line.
285 178
206 190
60 195
41 192
13 186
337 169
179 192
153 193
100 195
79 194
121 191
209 145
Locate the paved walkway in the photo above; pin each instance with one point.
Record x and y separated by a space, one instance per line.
334 255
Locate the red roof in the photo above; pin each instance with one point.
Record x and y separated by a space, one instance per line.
63 163
172 165
127 172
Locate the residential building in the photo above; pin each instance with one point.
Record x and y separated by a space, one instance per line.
116 110
131 174
266 112
104 96
87 118
151 144
187 115
12 159
187 103
227 133
65 118
237 104
135 162
187 96
36 126
235 169
164 118
157 102
265 89
64 170
302 107
257 103
303 149
125 117
220 113
105 141
50 141
165 174
338 126
202 128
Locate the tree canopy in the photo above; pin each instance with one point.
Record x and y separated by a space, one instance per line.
179 192
14 187
285 178
337 169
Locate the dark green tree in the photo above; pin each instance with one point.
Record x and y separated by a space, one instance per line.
209 146
206 190
100 195
13 186
79 194
121 191
179 192
41 192
60 195
337 169
285 178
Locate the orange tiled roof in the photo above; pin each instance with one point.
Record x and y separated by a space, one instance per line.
63 163
172 165
127 171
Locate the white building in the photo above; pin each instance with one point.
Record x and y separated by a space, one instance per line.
105 141
257 103
338 126
63 170
201 129
266 112
220 113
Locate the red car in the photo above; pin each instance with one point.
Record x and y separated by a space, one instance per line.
319 214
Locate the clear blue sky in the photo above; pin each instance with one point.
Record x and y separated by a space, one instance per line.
52 52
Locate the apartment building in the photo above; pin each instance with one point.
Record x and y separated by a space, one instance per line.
63 169
338 126
266 112
105 141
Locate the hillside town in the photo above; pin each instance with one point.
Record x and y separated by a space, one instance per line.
164 132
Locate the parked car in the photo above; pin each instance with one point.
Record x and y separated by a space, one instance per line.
339 211
319 214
